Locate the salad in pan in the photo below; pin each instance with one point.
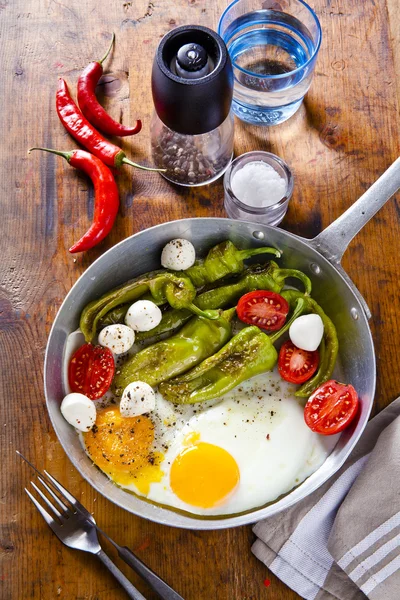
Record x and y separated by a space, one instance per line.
205 386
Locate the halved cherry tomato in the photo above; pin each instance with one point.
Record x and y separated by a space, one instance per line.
296 365
263 308
91 370
331 408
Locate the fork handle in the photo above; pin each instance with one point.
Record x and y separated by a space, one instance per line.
120 577
155 582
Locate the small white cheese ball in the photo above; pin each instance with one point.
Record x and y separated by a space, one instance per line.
306 332
143 315
79 411
178 255
138 397
118 338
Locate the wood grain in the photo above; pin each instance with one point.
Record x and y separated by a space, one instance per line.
340 141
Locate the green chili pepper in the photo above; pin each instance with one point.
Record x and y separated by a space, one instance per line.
328 349
280 275
116 315
299 306
197 340
256 277
223 259
164 287
247 354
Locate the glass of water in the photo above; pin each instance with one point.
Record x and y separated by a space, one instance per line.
273 45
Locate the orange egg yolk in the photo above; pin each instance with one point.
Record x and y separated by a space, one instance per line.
204 475
121 447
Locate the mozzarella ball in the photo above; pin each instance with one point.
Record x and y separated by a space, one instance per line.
143 315
178 255
117 338
79 411
138 398
306 332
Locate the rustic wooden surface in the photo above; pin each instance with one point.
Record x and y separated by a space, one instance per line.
341 140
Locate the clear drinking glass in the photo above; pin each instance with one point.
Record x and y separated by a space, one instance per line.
273 45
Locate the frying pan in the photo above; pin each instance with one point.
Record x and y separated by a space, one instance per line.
332 288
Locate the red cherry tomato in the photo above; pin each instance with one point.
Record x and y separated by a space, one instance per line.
265 309
91 370
331 408
296 365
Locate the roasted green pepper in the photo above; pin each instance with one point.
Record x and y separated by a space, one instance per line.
247 354
298 307
329 346
197 340
116 315
222 260
164 287
256 277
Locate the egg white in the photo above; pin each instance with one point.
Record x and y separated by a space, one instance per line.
261 424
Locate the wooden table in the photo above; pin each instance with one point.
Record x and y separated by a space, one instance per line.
343 137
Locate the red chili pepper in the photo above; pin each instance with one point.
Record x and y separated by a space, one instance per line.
89 105
80 128
106 196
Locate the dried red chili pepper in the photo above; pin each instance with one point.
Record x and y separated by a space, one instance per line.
106 196
80 128
89 105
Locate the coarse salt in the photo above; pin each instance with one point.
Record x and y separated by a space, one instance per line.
257 184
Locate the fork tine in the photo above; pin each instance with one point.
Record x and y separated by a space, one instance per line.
48 518
53 495
54 482
65 494
47 501
62 490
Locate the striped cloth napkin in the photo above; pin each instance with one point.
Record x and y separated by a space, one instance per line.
343 541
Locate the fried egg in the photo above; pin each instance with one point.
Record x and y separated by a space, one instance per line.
240 452
223 457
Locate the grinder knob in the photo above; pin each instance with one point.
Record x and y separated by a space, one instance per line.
192 61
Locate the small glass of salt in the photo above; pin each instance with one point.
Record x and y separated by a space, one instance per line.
258 186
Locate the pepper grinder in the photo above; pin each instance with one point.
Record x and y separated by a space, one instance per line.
192 126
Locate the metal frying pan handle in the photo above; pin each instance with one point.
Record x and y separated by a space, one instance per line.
334 240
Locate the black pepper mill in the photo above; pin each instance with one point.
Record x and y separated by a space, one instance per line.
192 126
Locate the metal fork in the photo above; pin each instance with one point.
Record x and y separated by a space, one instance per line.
77 529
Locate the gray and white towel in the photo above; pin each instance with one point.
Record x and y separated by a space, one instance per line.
343 541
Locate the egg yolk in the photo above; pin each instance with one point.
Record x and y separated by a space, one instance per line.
204 475
121 447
